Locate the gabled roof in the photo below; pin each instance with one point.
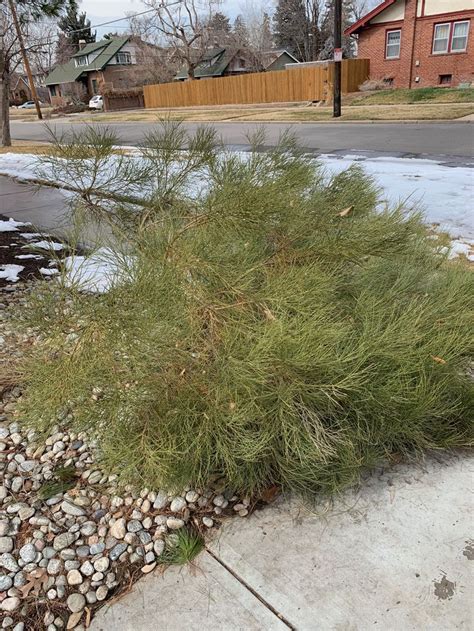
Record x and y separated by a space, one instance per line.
70 72
223 57
364 20
270 56
15 80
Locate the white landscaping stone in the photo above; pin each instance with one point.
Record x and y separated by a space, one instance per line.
6 544
72 509
10 604
76 602
74 577
118 529
174 524
177 505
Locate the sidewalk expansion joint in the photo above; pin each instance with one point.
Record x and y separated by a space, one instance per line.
264 602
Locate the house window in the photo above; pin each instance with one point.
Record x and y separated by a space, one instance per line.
123 58
445 79
459 36
450 37
392 44
52 89
82 61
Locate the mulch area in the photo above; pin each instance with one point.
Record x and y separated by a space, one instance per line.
14 245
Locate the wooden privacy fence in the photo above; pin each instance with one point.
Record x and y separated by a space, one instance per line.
311 83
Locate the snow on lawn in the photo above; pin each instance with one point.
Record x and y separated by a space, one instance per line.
10 225
445 194
10 272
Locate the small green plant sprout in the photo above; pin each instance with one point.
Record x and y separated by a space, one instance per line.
64 478
182 547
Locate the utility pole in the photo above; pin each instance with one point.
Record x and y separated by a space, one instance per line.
337 58
26 63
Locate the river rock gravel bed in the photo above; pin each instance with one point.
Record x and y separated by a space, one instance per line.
70 538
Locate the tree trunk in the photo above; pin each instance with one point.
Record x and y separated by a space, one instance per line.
6 140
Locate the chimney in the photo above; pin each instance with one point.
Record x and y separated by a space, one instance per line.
82 43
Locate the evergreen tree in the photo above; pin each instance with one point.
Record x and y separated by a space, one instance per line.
327 30
219 29
292 27
241 33
267 35
74 27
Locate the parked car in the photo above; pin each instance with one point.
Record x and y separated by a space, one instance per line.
96 103
28 105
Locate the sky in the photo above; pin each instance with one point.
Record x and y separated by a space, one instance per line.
103 10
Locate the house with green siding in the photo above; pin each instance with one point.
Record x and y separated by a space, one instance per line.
225 62
111 63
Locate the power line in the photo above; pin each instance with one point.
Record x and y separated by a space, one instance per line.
93 26
126 17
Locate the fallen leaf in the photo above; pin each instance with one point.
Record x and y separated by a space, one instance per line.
346 211
269 495
38 579
88 617
438 360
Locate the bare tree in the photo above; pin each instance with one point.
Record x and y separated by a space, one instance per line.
183 24
41 37
10 53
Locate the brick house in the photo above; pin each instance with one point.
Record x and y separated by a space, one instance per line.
115 63
418 43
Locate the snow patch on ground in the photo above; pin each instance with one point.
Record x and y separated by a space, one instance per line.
45 245
49 271
444 193
10 272
10 225
462 248
28 256
30 235
95 273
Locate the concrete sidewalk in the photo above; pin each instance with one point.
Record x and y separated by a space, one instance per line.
395 555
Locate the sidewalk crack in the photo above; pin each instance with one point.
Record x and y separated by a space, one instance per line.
248 587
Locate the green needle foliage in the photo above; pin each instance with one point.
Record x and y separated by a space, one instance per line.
182 547
271 324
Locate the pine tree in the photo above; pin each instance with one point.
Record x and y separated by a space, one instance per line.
240 31
74 27
267 35
292 27
219 29
327 30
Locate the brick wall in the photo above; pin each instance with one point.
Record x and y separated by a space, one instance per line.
418 38
460 65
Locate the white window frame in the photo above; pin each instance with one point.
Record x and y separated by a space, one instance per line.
459 50
387 34
449 40
127 58
83 60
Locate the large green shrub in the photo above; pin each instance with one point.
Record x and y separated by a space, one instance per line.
271 324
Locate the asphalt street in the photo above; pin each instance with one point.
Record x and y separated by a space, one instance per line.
434 140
